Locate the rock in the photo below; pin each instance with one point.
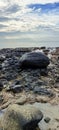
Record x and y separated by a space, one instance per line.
10 75
47 119
31 98
43 47
15 88
0 67
1 86
42 99
24 117
17 82
43 91
46 51
56 85
43 72
2 58
34 60
11 68
1 99
57 79
21 100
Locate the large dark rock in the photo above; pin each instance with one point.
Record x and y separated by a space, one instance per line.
34 60
25 117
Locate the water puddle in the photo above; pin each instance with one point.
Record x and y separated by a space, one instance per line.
50 111
2 112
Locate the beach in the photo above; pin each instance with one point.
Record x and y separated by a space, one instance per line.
37 86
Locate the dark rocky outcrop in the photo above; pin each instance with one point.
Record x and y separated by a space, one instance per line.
34 60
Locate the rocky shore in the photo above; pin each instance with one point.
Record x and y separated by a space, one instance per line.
22 85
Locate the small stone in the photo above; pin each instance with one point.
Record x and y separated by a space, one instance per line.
57 79
2 58
21 100
56 85
47 119
15 88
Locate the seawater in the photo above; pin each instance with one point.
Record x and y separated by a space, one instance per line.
16 45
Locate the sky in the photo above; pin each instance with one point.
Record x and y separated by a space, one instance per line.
28 23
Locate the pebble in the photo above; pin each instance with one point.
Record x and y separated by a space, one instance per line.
47 119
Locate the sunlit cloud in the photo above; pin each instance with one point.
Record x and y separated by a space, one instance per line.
29 16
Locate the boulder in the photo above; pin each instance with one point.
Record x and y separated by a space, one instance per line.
34 60
25 117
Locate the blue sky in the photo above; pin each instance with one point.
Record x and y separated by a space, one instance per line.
29 23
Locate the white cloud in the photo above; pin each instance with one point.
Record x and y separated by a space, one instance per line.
25 2
26 20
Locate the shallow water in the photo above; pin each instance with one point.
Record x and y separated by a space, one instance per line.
2 112
51 111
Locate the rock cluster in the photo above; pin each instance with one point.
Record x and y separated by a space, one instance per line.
16 80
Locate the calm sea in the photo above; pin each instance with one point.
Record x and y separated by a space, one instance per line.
16 45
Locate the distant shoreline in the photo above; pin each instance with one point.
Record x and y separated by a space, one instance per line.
30 47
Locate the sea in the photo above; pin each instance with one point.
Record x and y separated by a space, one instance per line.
26 45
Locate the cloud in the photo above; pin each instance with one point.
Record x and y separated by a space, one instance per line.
26 2
23 16
30 22
12 9
4 18
2 26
